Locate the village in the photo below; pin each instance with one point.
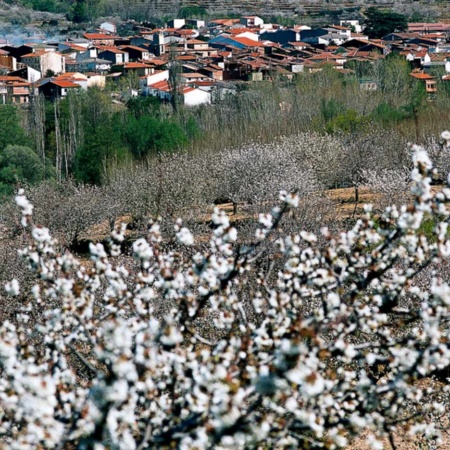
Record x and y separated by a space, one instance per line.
212 58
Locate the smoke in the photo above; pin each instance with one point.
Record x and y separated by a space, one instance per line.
16 29
18 35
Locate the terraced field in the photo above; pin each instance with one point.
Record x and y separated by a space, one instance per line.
309 7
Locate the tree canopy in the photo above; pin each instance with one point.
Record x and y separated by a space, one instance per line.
380 22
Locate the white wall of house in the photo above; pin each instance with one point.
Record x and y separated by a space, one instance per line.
96 80
196 97
252 21
33 75
297 68
144 83
157 77
89 53
108 27
54 62
47 61
352 23
82 83
177 23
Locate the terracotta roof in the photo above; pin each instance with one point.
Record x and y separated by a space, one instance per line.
422 76
239 30
133 47
75 46
195 41
34 55
298 44
157 62
137 65
12 79
64 84
193 75
203 83
99 36
68 75
186 32
186 58
110 49
247 42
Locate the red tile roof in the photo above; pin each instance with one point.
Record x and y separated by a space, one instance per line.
247 42
137 65
65 84
98 36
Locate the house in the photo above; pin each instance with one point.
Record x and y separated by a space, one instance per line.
52 89
108 28
135 53
251 21
224 41
353 24
70 47
428 80
176 23
113 54
191 96
14 90
74 77
296 66
138 68
191 77
221 23
80 42
96 65
151 79
439 61
87 54
281 36
425 28
312 36
18 52
354 43
366 84
45 62
196 44
399 37
213 71
343 32
8 61
100 38
196 23
27 73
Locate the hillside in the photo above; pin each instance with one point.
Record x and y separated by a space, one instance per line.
291 7
140 10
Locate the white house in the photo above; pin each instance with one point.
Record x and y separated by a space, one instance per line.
191 96
108 27
196 23
43 61
87 54
351 23
251 21
155 77
195 97
176 23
